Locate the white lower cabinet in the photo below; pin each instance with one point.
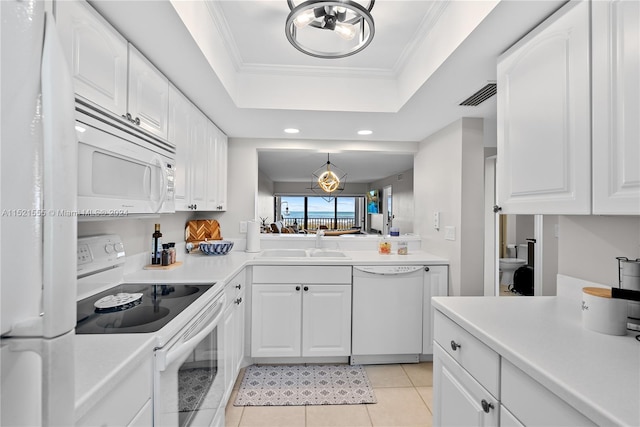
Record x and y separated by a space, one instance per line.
301 315
128 403
507 419
233 328
474 386
436 284
460 399
533 404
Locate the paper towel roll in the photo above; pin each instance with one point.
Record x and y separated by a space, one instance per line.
253 236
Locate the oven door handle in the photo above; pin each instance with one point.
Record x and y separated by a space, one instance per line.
190 340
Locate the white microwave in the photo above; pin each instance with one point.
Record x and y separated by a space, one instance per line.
121 169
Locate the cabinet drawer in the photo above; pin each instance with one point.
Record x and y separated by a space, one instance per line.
234 288
124 404
305 274
533 404
507 419
474 356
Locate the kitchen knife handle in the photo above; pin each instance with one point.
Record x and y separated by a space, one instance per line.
625 294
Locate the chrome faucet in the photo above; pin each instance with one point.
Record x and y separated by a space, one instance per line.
319 235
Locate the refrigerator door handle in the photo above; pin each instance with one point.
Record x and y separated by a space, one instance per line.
60 187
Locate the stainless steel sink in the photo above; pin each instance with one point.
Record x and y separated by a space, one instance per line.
323 253
301 253
283 253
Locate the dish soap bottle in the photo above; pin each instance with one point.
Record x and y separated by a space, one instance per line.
156 246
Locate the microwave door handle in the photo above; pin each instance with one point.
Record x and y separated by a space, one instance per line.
163 184
167 357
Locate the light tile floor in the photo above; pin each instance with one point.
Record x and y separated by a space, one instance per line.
404 394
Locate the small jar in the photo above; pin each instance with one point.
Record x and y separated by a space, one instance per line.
165 255
384 247
403 248
172 253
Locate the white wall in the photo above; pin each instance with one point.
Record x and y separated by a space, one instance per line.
402 199
136 232
265 197
588 246
449 178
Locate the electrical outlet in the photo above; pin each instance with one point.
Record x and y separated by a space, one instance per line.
436 220
243 226
449 233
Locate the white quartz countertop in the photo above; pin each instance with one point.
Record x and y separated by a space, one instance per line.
199 268
597 374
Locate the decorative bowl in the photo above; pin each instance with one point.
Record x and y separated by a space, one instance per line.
218 247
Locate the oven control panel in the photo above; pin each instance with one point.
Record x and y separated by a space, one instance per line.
97 253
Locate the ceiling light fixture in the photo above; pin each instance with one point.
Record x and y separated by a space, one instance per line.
349 19
328 180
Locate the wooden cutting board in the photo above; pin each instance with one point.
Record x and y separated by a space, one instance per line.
202 229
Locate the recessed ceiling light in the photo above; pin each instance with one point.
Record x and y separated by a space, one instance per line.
365 132
291 130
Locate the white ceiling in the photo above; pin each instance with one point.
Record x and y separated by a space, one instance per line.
232 59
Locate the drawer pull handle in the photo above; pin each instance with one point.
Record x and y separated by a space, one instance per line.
306 288
486 406
238 286
455 345
238 301
297 288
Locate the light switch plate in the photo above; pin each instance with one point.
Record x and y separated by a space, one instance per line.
243 226
450 233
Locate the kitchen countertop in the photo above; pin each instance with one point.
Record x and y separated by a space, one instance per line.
102 361
597 374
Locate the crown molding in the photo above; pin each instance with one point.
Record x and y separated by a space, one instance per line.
220 22
434 13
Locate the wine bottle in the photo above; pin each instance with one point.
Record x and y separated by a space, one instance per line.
156 246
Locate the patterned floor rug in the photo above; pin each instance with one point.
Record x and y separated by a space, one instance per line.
299 385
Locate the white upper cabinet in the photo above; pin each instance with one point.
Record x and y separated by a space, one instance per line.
111 73
217 170
148 94
180 110
97 55
616 107
544 127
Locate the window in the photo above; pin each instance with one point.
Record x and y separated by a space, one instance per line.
313 212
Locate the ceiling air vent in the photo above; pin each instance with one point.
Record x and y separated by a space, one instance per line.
480 96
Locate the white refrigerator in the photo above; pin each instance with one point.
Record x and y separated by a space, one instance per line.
38 228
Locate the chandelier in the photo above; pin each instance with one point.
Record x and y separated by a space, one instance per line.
348 19
328 180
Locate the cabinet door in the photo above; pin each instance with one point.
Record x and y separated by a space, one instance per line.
96 53
436 283
179 117
238 336
616 107
459 400
276 320
326 320
148 94
221 171
212 172
198 160
544 150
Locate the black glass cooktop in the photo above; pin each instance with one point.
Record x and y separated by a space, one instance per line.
158 305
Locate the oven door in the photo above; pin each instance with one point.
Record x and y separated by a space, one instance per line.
189 385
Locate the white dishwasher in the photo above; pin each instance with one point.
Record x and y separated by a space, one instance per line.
387 314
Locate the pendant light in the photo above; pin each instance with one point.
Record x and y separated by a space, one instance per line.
328 180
